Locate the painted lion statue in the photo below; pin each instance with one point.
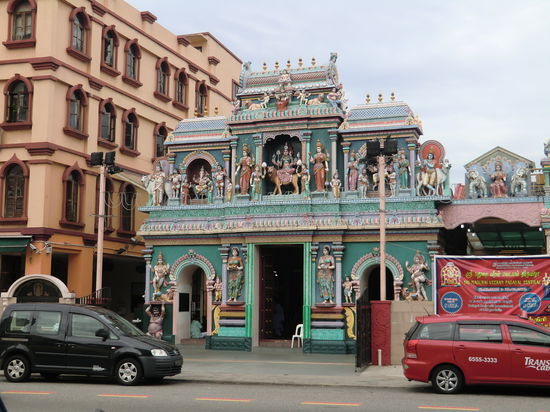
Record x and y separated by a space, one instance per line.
478 184
518 184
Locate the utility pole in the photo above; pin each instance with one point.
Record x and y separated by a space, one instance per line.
100 228
382 217
106 165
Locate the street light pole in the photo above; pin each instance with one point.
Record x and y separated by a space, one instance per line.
100 228
382 217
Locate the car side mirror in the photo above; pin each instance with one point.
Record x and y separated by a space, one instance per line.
102 333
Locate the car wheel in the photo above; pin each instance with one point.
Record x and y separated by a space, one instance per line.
49 375
17 368
128 372
447 379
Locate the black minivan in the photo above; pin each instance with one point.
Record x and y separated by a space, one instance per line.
55 338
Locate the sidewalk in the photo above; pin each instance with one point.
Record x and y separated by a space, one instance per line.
284 366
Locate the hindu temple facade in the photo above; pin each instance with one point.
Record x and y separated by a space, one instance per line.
271 217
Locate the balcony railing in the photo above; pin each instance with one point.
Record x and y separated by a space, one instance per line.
101 297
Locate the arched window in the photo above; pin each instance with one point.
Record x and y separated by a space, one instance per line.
160 137
77 102
14 195
130 125
80 27
127 209
163 73
72 197
133 56
107 114
18 102
79 33
21 23
181 88
202 96
109 49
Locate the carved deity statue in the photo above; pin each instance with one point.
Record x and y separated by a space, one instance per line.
157 179
498 187
185 187
518 183
404 169
220 177
304 180
245 167
418 277
320 167
218 287
353 173
175 184
256 181
348 290
161 269
363 181
335 185
325 275
202 183
236 275
156 318
392 179
302 97
427 174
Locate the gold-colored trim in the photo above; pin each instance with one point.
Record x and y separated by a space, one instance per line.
216 316
327 316
350 321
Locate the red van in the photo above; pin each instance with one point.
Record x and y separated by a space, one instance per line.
456 350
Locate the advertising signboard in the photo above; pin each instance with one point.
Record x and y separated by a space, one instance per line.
494 284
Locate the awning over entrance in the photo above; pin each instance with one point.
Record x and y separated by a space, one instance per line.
14 244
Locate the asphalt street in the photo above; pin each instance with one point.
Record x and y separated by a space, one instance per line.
78 394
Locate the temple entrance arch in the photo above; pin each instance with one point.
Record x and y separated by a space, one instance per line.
37 288
192 298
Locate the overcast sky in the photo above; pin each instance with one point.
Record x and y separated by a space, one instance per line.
476 72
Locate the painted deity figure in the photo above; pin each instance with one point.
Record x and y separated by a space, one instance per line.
320 167
428 175
285 163
156 318
302 97
210 191
229 191
175 184
325 275
220 177
256 182
202 182
498 187
160 270
335 185
418 276
245 167
392 179
185 187
363 181
157 178
304 181
236 275
404 169
353 173
218 287
348 289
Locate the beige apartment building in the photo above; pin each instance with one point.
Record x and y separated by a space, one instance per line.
83 76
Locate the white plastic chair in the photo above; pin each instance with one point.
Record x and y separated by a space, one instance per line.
299 335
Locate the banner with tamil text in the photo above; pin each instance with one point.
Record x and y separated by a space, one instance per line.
491 284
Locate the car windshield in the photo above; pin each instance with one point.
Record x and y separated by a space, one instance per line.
121 324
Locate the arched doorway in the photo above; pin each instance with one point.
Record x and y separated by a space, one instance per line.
370 283
191 301
37 288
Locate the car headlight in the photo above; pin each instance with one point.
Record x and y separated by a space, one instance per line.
158 352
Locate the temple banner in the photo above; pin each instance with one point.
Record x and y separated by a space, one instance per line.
489 284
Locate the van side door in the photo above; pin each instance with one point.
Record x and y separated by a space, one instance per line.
48 339
86 352
530 354
481 353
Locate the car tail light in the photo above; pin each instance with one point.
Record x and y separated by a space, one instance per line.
410 349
